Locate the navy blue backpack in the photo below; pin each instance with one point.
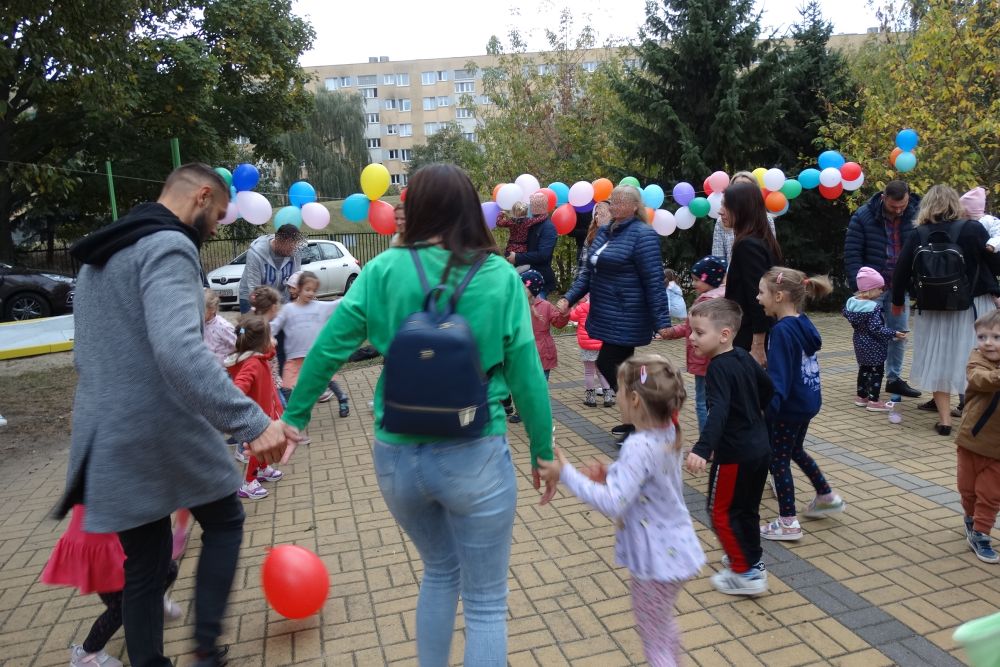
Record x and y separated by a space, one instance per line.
433 381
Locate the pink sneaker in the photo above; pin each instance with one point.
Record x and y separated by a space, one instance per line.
879 406
860 401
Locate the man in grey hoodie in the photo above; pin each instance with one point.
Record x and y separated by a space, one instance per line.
151 404
270 261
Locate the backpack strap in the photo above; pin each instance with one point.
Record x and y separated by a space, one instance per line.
955 230
420 271
466 280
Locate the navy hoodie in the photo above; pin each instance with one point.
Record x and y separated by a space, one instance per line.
794 369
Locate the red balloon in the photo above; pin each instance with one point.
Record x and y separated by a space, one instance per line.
564 218
295 581
850 171
708 188
764 192
382 217
831 193
402 195
551 196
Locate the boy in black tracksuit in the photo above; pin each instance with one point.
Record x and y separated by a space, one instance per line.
736 441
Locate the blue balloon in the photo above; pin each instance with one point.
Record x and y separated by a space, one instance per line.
491 210
907 140
905 162
562 192
245 177
232 192
652 196
355 207
289 215
301 193
586 208
809 178
829 159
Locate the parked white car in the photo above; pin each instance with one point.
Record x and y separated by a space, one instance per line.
332 263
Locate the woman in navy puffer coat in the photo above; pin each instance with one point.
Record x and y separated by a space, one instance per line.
623 273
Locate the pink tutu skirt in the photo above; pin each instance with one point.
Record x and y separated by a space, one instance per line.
90 562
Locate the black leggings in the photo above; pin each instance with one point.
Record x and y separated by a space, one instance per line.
108 623
609 359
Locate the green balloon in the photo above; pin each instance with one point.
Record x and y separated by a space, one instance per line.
699 207
227 175
629 180
791 189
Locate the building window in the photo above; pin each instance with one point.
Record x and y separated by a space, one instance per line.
374 143
462 112
388 79
544 69
331 84
398 179
390 104
404 105
344 82
392 129
371 118
369 93
465 87
428 78
406 130
444 101
431 129
393 153
590 66
483 100
403 79
429 104
464 75
368 80
406 154
469 136
442 75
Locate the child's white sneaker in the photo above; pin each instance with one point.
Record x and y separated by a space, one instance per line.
782 529
3 422
269 474
751 582
171 610
240 454
253 490
818 510
80 658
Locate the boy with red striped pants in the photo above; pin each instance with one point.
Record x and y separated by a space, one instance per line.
736 441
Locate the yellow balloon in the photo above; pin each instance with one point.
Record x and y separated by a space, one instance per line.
374 181
758 173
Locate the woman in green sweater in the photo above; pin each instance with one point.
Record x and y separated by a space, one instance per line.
454 498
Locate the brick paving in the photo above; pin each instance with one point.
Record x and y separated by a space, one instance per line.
884 584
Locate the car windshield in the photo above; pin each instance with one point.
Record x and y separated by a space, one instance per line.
242 259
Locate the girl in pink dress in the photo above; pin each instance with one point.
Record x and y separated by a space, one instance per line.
95 563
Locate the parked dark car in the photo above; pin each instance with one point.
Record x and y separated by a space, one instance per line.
28 293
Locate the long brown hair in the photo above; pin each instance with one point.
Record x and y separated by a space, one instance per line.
441 202
253 334
746 210
594 225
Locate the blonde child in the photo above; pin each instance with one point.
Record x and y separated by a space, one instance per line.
979 440
519 223
220 337
589 348
675 297
95 563
794 370
250 369
643 492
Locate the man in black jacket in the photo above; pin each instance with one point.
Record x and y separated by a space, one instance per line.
541 245
875 238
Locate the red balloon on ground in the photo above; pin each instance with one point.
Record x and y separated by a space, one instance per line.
564 219
295 581
551 196
850 171
831 193
382 217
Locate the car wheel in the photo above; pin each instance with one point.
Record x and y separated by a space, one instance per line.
27 306
350 281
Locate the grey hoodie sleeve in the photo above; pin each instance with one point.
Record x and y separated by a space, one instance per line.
252 272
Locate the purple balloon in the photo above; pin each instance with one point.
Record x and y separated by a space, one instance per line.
491 210
586 208
683 193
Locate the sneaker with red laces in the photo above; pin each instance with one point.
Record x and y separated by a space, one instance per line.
860 401
879 406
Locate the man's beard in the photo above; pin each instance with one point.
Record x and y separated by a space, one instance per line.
203 225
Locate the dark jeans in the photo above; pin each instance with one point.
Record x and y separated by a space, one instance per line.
244 306
147 567
609 359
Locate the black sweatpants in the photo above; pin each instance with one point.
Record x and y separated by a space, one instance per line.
734 491
870 380
609 359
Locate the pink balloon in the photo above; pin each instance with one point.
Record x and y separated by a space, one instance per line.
232 212
315 215
719 181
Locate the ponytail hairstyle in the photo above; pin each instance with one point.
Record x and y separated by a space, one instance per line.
797 285
263 298
660 387
253 334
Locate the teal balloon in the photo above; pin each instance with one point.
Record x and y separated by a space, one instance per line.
652 196
562 192
301 193
226 175
699 207
629 180
809 178
791 189
232 192
355 207
905 162
289 215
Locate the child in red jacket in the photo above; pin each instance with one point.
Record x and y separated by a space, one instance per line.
589 347
251 371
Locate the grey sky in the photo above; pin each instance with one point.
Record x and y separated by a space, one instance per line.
348 32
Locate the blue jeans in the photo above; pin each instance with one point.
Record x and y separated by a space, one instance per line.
455 500
894 363
244 306
700 402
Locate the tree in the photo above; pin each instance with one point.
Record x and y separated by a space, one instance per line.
943 80
330 148
448 145
84 82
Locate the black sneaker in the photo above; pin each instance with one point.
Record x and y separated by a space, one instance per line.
622 431
514 418
929 406
216 659
345 409
900 387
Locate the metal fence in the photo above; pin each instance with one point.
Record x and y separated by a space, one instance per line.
57 260
364 246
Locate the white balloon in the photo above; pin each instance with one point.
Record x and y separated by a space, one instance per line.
851 186
315 215
528 184
714 205
830 177
664 222
253 206
509 194
685 218
581 193
774 179
232 212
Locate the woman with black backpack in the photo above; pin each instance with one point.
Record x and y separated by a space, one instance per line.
945 266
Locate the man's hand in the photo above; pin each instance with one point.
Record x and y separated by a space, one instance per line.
272 446
695 464
512 258
900 335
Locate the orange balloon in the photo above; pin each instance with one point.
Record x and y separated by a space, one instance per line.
295 580
382 217
775 201
602 189
894 154
496 189
649 215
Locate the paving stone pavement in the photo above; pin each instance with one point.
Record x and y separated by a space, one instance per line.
885 583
